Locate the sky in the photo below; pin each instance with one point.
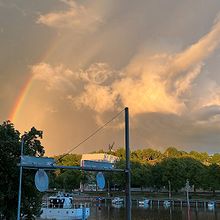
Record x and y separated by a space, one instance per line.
69 66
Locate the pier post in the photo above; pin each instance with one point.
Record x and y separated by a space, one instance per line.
128 169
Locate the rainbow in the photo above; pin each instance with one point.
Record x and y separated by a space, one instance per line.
26 88
20 99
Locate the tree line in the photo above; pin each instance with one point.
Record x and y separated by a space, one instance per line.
149 168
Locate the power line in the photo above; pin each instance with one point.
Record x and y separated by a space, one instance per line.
91 135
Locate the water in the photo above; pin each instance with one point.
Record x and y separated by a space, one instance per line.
107 212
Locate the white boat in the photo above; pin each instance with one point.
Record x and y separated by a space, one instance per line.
118 206
211 205
166 203
117 200
144 202
61 207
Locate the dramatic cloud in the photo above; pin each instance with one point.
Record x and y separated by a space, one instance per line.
208 114
78 17
90 59
56 77
98 98
160 83
97 73
59 76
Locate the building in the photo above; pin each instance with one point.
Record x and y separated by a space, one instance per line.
100 157
98 160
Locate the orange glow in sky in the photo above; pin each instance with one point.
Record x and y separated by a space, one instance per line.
67 67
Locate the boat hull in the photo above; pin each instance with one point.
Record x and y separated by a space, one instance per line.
65 214
117 201
143 202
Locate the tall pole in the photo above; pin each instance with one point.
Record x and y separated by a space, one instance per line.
187 193
128 169
20 181
169 183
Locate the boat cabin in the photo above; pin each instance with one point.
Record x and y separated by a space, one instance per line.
60 201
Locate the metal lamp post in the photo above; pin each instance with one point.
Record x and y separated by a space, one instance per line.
20 181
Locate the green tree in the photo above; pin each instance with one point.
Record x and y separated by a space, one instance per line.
10 143
150 154
140 174
201 156
194 172
120 152
215 158
212 178
119 178
146 155
68 180
157 174
170 169
69 159
173 152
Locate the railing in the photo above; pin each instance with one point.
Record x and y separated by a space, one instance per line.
46 204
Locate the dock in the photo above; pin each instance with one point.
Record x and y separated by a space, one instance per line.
196 203
179 202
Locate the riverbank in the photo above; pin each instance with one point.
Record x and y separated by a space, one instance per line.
157 195
200 199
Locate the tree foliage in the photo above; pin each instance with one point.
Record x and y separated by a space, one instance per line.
10 144
212 178
67 180
152 168
170 169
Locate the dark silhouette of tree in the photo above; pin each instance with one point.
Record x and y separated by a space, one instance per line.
10 144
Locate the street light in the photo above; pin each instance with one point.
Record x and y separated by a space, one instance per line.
20 181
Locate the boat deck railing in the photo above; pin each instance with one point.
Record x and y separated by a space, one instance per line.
60 206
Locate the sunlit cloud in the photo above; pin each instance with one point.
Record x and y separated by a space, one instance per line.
98 98
157 83
97 73
90 59
57 77
78 18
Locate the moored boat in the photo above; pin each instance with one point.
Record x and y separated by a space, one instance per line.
143 202
166 203
62 207
117 200
211 205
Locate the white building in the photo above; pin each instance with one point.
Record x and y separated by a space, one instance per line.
98 160
100 157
